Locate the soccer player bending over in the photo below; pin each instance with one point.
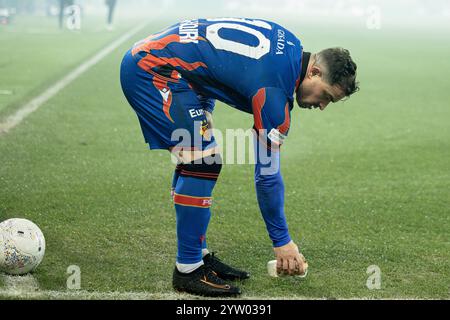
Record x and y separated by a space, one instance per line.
172 79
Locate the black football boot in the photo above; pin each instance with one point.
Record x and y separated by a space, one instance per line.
223 270
204 282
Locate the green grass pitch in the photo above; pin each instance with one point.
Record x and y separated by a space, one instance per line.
367 181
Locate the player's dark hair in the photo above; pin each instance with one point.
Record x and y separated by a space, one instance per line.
341 69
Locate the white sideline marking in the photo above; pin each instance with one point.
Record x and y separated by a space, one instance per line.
15 119
20 285
96 295
89 295
27 287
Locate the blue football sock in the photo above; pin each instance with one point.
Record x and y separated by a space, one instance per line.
192 204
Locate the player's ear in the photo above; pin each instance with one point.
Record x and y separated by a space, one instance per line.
315 71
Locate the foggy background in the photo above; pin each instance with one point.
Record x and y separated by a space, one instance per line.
389 13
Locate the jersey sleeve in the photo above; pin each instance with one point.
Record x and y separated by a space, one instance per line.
271 115
272 120
270 193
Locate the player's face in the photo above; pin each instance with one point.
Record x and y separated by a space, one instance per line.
314 92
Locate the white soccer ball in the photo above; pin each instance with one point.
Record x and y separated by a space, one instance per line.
22 246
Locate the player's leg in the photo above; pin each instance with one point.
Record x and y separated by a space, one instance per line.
223 270
176 175
61 13
193 200
195 182
162 108
111 6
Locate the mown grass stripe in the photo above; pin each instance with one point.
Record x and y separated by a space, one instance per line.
30 107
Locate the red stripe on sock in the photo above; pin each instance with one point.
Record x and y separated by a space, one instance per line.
200 202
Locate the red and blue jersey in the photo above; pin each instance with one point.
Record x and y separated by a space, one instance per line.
251 65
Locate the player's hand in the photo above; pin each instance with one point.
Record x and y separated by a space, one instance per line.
290 260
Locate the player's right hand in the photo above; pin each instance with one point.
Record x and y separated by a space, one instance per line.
290 260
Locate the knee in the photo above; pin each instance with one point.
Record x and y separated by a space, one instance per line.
208 167
189 156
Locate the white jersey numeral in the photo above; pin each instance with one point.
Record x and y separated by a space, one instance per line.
263 48
256 23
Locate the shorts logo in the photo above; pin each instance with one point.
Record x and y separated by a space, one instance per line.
165 92
194 113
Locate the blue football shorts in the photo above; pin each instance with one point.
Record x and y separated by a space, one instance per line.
170 112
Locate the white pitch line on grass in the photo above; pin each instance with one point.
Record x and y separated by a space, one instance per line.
15 119
91 295
97 295
27 287
20 285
